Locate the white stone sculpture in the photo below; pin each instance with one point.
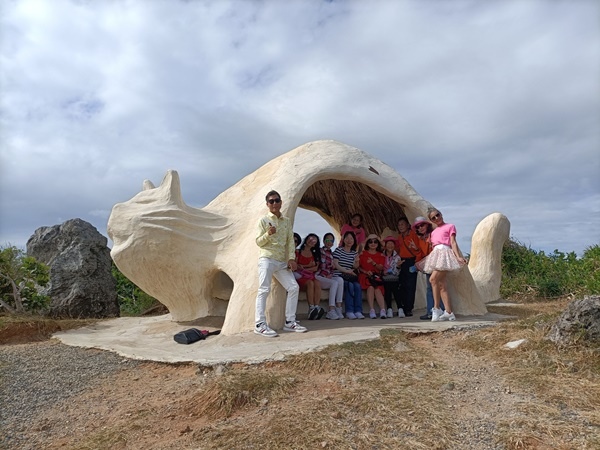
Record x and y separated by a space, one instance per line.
203 262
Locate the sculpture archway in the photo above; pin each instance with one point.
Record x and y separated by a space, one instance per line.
172 250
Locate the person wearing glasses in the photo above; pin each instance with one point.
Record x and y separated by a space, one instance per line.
308 260
371 262
275 240
329 280
445 257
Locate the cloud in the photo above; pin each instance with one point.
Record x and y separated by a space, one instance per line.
481 106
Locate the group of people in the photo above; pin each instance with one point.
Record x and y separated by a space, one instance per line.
386 269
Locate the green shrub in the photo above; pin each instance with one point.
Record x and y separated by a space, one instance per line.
21 279
527 273
132 300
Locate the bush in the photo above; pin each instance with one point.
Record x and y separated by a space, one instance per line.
527 273
21 280
132 300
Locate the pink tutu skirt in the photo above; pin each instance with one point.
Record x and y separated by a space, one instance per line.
441 258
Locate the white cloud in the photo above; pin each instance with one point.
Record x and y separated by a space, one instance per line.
482 106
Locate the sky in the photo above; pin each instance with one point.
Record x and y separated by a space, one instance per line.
482 106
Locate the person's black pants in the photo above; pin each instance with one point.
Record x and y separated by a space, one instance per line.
392 289
408 285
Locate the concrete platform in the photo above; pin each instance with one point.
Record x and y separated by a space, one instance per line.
151 338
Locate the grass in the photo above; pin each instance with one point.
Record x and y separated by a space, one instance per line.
19 329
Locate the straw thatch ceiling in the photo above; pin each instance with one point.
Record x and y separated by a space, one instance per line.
340 199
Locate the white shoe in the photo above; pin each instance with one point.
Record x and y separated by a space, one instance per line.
332 315
372 314
390 313
294 326
338 310
382 314
436 314
359 315
447 316
401 313
351 316
264 330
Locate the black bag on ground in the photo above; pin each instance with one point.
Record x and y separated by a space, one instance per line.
193 335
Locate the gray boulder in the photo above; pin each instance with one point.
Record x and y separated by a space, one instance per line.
81 281
579 322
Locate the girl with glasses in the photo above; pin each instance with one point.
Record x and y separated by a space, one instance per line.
445 257
308 259
371 264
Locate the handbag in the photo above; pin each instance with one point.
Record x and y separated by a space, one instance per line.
193 335
376 280
306 274
391 278
351 277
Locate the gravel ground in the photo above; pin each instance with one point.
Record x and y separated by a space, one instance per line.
36 377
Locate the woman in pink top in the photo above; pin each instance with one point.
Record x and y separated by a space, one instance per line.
445 257
356 227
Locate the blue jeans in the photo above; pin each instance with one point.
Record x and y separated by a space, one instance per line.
353 296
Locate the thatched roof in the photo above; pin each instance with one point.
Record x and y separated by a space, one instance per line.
340 199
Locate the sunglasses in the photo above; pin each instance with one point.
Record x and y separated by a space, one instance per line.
372 241
274 200
438 215
421 225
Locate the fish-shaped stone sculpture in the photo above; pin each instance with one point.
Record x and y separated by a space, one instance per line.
203 261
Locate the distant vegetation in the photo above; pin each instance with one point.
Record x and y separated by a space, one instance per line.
21 279
132 299
528 274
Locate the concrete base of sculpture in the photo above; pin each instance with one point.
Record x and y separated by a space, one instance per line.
203 262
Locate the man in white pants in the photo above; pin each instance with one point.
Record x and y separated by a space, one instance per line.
275 238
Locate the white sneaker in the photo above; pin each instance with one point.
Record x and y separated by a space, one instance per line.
447 316
351 316
294 326
338 310
332 315
359 315
264 330
436 314
372 314
382 314
390 313
401 313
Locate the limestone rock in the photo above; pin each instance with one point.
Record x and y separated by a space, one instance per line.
81 282
579 322
203 262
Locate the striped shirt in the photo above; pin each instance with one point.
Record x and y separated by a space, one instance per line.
345 259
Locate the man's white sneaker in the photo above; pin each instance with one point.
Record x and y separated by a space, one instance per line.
264 330
351 316
294 326
359 315
435 314
332 315
447 316
401 313
390 313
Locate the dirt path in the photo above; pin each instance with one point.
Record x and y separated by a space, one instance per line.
405 392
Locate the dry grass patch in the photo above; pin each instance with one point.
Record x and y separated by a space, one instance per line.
566 380
21 329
